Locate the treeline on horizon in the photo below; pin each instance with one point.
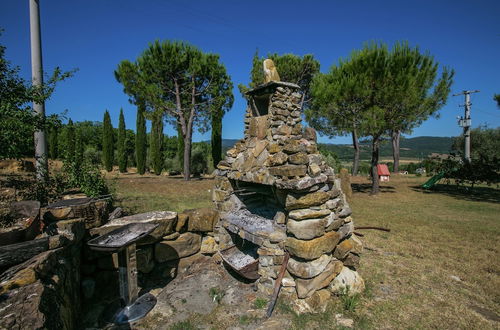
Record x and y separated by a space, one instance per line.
87 137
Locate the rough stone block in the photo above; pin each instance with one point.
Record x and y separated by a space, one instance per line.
302 214
299 158
288 170
187 244
209 245
145 260
278 158
306 229
347 278
353 244
312 199
305 288
202 219
308 269
312 249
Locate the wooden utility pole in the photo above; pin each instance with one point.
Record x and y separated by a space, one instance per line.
465 122
37 79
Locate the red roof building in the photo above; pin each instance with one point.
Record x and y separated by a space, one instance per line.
383 172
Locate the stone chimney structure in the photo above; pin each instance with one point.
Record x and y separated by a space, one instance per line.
276 195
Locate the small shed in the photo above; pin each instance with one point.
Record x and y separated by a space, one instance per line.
383 172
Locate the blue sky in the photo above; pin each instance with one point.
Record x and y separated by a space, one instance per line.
95 35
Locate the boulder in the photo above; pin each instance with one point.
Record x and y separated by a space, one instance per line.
308 269
311 199
306 229
305 288
347 278
187 244
314 248
202 219
302 214
165 219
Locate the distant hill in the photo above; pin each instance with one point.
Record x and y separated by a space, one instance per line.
415 147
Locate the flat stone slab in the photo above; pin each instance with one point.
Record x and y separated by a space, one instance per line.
165 219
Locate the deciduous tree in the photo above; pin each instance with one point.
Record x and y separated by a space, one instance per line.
180 81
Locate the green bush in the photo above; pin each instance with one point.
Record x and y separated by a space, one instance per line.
87 177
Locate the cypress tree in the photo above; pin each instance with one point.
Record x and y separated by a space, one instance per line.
140 141
107 142
70 142
78 148
216 139
122 152
156 142
53 142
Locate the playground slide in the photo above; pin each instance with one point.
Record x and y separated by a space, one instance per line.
432 181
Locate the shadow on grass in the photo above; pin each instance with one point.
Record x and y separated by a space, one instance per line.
476 194
367 188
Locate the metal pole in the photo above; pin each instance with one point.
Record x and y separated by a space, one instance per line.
467 128
465 122
37 79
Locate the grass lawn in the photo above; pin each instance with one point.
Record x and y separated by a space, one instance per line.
439 267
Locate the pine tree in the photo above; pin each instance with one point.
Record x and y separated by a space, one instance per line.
180 146
107 142
140 141
156 142
177 79
122 152
70 142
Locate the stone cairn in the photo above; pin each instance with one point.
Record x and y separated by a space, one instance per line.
312 217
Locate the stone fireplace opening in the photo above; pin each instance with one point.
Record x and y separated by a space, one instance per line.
260 105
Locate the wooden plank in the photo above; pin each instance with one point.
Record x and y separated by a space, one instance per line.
14 254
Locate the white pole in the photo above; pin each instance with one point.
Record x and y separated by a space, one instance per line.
37 79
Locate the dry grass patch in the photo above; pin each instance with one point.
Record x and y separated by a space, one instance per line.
141 193
439 265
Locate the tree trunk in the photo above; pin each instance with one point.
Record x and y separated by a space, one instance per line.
395 135
187 152
375 152
355 144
